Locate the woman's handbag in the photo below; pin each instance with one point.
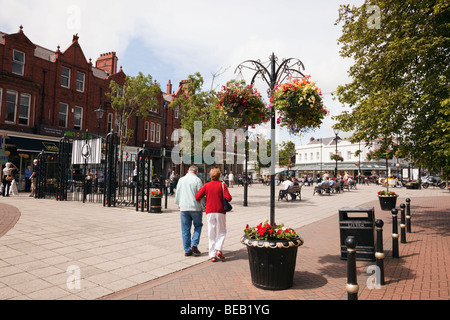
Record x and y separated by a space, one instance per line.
9 178
227 206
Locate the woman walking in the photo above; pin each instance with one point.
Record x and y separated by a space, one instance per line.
7 178
214 192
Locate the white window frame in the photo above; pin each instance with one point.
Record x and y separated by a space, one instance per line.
15 105
18 62
152 132
117 122
82 82
65 77
177 112
66 114
158 133
176 137
146 130
110 122
81 118
28 107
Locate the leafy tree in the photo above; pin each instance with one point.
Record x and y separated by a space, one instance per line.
198 105
286 153
137 97
399 88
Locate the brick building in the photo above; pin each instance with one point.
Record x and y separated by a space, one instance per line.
47 94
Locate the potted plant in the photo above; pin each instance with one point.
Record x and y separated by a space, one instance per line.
300 106
243 103
414 184
388 200
336 157
155 201
272 253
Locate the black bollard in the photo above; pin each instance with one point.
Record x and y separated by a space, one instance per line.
402 224
408 215
394 234
352 283
379 255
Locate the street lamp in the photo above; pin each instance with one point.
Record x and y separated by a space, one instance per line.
336 132
99 114
273 73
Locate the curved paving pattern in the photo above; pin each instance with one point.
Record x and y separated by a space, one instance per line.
9 216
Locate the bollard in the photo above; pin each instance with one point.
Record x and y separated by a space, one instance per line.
379 255
402 224
408 215
394 233
352 283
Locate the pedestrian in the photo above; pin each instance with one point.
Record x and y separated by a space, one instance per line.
28 172
214 192
190 210
33 178
231 177
7 178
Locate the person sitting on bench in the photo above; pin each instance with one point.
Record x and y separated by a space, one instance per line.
287 184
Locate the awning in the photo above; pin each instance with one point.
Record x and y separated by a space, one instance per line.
34 145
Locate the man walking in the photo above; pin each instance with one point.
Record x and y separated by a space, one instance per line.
190 210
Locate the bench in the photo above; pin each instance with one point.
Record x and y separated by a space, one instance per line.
323 188
296 190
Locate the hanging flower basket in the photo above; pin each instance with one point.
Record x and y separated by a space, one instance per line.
242 103
336 157
300 106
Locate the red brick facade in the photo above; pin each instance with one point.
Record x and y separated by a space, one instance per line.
37 85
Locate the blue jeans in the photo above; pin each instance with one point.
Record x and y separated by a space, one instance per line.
187 218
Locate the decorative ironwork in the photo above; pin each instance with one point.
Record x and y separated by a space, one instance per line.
63 167
272 73
41 175
110 169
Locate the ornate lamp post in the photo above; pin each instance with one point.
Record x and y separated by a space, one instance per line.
99 114
273 73
336 132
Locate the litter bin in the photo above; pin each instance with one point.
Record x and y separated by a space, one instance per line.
360 223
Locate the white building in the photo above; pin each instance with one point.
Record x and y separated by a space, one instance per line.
315 158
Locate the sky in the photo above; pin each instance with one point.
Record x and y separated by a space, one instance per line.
173 39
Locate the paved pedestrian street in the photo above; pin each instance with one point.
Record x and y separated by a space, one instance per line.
53 250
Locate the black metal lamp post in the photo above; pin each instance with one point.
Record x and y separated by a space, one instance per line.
99 114
336 132
273 73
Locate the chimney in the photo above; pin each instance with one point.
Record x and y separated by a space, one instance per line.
169 88
107 62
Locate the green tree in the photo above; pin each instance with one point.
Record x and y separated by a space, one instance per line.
199 105
137 97
286 153
399 88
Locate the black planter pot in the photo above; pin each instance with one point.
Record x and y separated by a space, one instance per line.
387 203
272 262
155 205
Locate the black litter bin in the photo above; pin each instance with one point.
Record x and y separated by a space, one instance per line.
360 223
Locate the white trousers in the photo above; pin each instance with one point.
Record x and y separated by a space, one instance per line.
217 230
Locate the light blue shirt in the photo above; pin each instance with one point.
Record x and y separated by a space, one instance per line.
187 187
